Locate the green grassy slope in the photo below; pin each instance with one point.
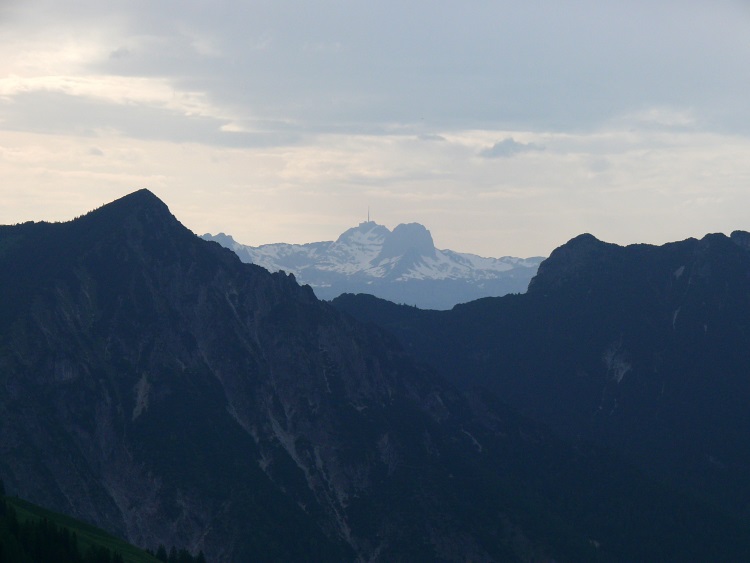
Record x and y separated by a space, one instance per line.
88 536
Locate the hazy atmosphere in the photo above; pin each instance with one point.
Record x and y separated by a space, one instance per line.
504 127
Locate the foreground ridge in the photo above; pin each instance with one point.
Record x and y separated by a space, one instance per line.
643 349
158 387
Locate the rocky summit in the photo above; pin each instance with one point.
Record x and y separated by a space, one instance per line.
153 384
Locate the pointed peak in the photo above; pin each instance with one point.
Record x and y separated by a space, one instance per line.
571 261
584 239
580 247
141 207
143 193
138 201
140 198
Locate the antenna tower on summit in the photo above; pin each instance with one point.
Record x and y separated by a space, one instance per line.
368 213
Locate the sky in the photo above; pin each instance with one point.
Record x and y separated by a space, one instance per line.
506 128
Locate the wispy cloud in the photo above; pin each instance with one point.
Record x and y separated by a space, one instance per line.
509 147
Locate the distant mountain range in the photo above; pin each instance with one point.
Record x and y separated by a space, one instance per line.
402 266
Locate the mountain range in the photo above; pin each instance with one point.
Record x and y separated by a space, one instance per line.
153 384
644 350
402 266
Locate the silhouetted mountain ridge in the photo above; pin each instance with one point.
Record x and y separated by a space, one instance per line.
156 386
643 349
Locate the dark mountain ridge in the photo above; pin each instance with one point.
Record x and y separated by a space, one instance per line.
156 386
644 349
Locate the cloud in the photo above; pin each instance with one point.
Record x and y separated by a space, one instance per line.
123 90
60 113
352 67
431 137
659 118
509 147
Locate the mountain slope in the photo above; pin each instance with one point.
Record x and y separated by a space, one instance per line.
402 265
113 412
158 387
31 533
643 349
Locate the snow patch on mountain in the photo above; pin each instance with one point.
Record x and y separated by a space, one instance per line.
368 256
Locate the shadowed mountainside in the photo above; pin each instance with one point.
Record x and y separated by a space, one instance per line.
154 385
642 349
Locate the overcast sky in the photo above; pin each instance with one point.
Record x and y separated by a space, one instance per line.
506 128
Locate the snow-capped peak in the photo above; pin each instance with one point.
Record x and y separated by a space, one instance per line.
370 255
